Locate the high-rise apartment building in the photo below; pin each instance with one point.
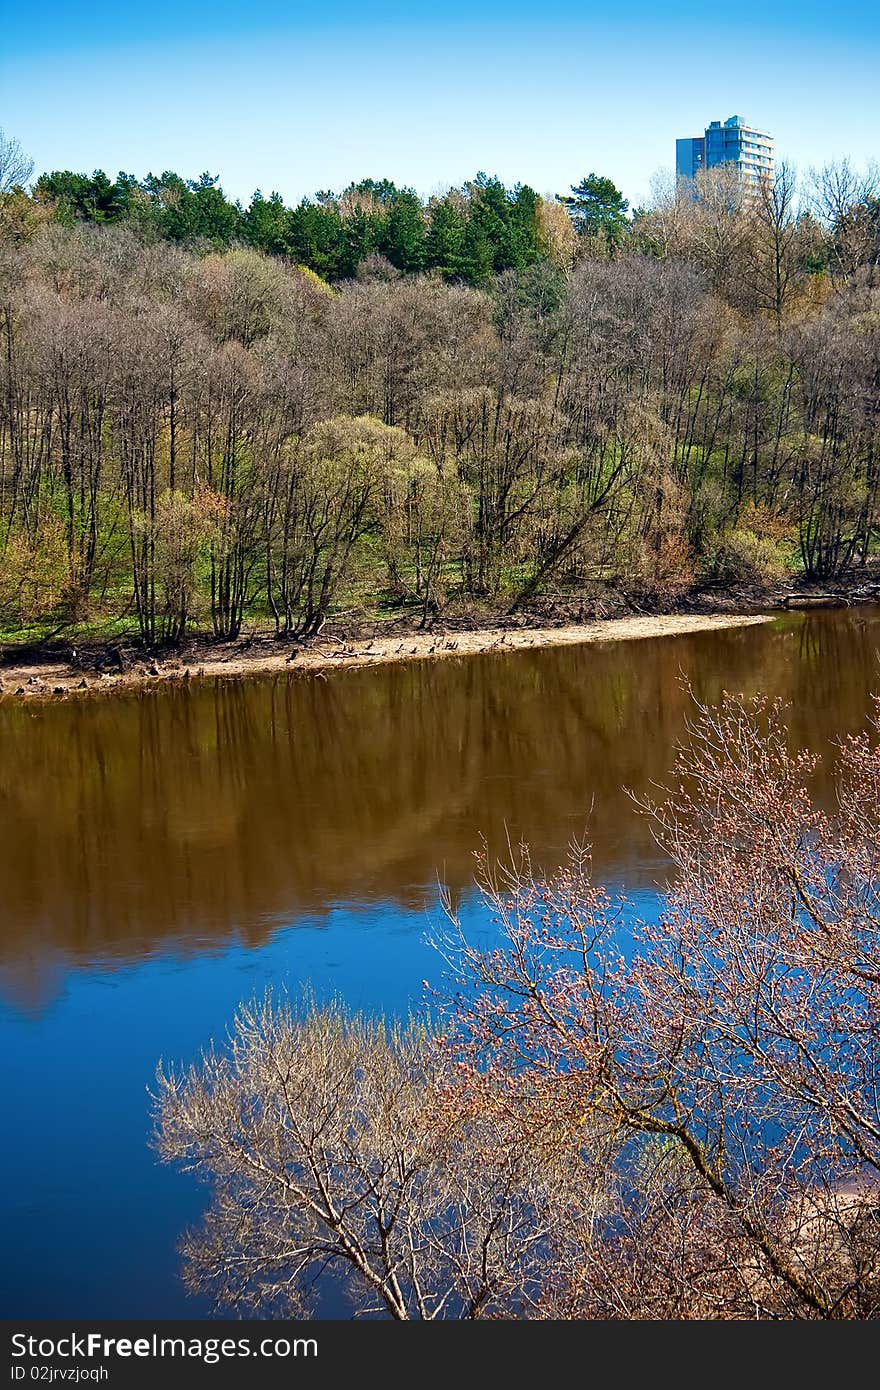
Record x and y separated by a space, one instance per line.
690 157
727 142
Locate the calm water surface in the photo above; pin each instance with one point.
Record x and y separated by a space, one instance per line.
164 855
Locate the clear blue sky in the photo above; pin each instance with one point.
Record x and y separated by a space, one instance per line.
282 96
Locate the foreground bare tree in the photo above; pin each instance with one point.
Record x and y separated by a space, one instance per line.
735 1048
328 1151
677 1119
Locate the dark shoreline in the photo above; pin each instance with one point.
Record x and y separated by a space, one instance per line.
54 670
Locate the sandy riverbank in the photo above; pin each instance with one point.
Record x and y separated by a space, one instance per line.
56 679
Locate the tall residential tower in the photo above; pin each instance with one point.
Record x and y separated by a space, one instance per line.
728 142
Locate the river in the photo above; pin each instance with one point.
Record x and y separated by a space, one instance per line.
165 854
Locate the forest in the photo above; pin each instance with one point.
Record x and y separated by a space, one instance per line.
374 405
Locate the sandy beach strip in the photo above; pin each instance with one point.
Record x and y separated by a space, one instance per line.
263 656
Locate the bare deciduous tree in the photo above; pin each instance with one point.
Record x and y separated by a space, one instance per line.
327 1150
676 1118
847 202
15 166
734 1045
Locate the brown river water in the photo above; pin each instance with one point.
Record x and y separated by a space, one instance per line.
164 854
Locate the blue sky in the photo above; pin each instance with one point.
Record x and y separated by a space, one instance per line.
287 97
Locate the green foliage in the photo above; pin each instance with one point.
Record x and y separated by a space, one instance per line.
91 198
403 235
317 238
501 231
266 224
193 210
445 245
472 234
34 575
184 210
597 207
742 557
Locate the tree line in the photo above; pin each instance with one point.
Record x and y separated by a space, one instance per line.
196 434
472 233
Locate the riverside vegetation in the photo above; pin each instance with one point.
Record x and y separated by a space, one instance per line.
373 405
